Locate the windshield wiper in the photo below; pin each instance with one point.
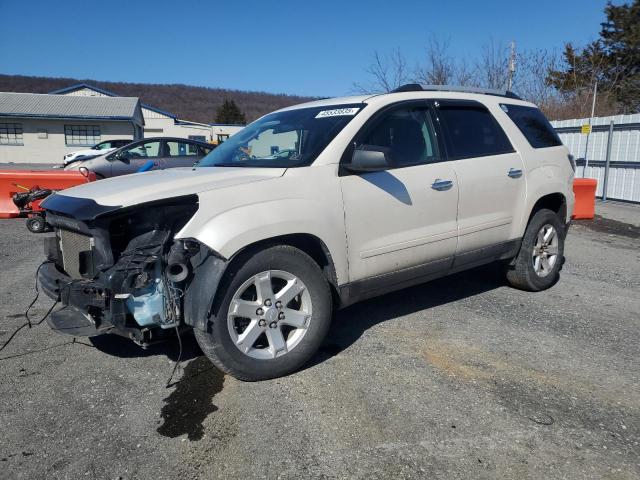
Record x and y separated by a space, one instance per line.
226 165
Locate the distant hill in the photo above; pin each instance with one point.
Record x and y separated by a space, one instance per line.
198 104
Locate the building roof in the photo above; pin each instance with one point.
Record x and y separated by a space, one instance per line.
108 93
63 106
80 86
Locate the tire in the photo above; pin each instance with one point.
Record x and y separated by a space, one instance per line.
265 356
537 267
36 224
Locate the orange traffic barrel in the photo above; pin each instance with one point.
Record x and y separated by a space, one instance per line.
16 181
584 190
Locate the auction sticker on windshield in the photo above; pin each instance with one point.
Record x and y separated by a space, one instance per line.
338 112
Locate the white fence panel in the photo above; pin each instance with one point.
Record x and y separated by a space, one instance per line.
624 172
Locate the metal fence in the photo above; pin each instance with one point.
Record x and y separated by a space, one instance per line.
611 150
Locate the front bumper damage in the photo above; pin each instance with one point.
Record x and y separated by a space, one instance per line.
123 272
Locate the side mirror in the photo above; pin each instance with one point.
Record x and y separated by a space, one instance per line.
368 158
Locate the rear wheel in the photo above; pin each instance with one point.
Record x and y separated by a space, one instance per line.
537 265
274 314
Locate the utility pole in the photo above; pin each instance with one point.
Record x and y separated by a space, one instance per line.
512 65
593 112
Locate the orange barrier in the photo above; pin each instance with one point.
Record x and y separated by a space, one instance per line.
584 190
15 181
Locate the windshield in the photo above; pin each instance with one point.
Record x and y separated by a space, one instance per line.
291 138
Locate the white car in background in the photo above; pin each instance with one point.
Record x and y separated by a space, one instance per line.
101 148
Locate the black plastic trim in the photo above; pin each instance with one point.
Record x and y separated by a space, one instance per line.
200 294
416 87
487 254
371 287
79 208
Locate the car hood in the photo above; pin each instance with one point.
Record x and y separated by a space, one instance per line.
137 188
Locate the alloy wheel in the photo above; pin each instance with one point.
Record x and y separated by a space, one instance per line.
545 251
269 314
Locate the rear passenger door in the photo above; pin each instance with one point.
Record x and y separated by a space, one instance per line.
180 154
490 177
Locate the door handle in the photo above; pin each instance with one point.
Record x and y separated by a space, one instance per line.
514 173
441 185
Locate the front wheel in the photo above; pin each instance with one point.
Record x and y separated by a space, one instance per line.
274 314
537 265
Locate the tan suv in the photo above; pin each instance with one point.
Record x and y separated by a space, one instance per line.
309 209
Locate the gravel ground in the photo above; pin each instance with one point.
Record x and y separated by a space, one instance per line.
463 377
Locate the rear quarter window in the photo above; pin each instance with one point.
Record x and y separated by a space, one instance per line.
471 131
533 124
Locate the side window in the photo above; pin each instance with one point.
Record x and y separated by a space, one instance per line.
407 133
145 150
193 148
533 125
471 131
179 149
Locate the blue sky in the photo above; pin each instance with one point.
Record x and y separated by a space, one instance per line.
298 47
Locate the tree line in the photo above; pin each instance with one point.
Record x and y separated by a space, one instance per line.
562 84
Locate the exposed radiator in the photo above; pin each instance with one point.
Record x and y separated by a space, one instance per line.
71 244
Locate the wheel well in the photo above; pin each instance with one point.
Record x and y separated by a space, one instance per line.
555 202
309 244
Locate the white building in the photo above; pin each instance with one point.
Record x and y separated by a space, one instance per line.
41 128
159 123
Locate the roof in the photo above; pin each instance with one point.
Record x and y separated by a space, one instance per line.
80 86
389 97
63 106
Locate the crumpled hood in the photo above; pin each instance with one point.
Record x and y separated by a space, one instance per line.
128 190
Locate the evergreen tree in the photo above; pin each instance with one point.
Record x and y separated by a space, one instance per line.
229 112
613 60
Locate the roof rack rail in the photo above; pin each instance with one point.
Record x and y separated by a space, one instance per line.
416 87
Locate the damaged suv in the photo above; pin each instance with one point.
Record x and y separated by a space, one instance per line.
308 209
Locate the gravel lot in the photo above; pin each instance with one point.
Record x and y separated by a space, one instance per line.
463 377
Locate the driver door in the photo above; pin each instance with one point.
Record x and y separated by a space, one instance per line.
401 222
137 156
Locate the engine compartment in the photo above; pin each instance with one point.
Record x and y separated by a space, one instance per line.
130 275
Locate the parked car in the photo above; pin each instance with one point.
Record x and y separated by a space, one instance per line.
164 152
254 251
101 148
